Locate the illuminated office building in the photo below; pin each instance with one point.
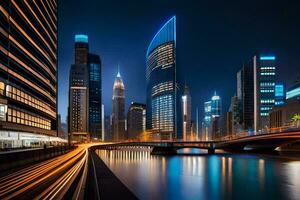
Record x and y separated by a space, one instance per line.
118 110
163 97
136 120
78 92
28 72
95 93
186 114
264 68
211 121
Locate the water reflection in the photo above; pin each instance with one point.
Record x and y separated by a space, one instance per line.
223 176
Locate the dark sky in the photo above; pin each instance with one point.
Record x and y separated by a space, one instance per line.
214 38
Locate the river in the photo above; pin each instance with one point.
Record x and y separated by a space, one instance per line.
196 175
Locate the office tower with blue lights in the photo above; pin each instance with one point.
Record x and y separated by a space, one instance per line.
211 121
163 96
207 121
95 94
186 113
118 110
264 70
28 72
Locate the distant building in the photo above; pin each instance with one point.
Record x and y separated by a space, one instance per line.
95 94
163 97
212 116
228 123
108 128
243 106
136 120
118 110
264 70
186 113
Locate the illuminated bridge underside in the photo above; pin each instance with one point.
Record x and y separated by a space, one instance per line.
264 142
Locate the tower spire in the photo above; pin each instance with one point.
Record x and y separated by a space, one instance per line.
118 75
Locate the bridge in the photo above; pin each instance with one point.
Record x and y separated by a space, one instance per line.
261 142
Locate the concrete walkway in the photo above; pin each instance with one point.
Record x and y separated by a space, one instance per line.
102 178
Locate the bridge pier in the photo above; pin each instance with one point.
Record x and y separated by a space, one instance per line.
163 151
211 151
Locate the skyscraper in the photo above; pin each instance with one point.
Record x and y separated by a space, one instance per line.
28 71
186 113
118 109
85 93
264 68
136 120
244 116
78 103
163 97
95 93
211 121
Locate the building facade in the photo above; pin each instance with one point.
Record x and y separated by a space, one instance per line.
118 110
163 97
136 120
28 72
244 116
95 95
78 103
280 94
186 106
264 71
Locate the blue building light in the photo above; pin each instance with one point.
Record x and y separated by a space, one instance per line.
81 38
279 90
267 58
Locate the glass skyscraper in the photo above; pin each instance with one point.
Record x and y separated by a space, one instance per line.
28 72
163 99
95 94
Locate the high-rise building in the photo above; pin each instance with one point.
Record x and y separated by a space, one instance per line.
163 97
244 114
264 68
211 121
118 110
136 120
28 72
78 103
186 113
95 93
207 121
85 93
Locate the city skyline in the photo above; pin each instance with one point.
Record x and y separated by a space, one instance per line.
114 46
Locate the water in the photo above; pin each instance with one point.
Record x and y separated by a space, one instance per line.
219 176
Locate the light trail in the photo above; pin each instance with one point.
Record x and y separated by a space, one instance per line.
50 179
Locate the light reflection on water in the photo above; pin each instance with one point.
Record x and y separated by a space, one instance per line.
219 176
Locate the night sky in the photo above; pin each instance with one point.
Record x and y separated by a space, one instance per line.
214 38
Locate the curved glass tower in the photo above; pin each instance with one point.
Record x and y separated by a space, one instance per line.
162 112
